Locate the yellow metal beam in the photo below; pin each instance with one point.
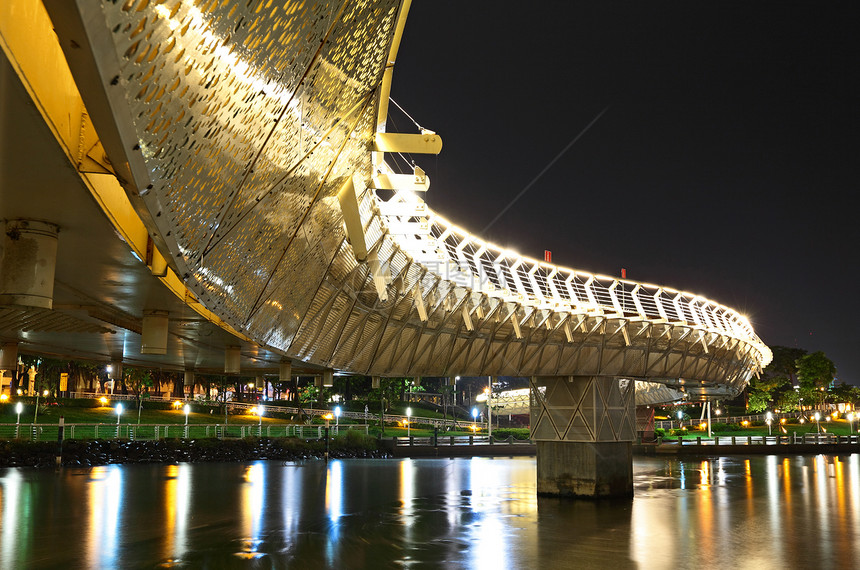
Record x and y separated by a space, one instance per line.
28 40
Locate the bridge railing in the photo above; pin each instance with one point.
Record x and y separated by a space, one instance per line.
50 432
694 422
793 439
454 254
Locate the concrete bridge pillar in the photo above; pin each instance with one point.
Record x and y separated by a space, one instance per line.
28 258
188 382
584 428
232 360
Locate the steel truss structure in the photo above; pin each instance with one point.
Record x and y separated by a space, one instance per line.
251 140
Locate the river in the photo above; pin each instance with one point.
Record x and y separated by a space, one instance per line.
756 512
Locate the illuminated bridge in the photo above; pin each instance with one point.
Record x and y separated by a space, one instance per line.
209 186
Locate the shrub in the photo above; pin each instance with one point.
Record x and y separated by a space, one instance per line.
517 433
660 432
354 439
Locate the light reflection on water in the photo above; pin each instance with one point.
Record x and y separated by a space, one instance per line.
476 513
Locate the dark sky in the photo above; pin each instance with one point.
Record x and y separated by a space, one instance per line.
726 163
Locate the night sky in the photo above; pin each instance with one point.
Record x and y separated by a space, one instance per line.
725 163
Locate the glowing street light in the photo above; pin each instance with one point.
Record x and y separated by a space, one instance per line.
118 412
260 413
187 410
408 420
337 418
818 421
474 418
768 421
850 418
680 417
19 407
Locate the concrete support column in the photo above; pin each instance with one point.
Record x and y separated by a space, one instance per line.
115 376
232 360
27 262
584 428
188 383
153 337
9 364
285 376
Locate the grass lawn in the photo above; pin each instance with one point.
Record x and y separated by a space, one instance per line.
107 415
839 427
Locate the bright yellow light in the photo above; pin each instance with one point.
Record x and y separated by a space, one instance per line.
702 426
45 393
782 421
3 397
177 404
103 401
803 421
745 423
328 416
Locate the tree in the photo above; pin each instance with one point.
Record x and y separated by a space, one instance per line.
815 373
758 401
138 379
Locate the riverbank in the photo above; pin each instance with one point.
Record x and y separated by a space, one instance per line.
86 453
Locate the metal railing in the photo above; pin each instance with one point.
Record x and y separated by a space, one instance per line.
458 440
794 439
455 255
50 432
693 422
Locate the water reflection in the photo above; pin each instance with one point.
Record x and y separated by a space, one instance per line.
104 497
477 513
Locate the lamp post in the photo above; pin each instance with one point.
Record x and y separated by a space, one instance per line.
818 421
408 421
768 420
490 407
337 419
118 412
474 419
187 410
850 418
19 407
680 417
260 425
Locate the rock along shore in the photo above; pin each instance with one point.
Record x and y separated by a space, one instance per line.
85 453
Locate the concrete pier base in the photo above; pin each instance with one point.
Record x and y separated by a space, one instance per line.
593 470
584 430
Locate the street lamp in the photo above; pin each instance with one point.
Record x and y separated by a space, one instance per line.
850 418
769 418
260 413
474 418
118 412
408 420
680 418
187 410
337 419
818 421
19 407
